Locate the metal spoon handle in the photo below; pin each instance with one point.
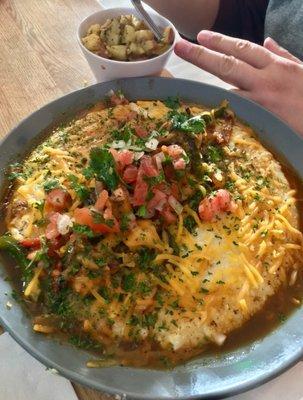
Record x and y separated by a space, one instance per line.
147 19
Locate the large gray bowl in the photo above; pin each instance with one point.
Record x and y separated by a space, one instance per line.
207 377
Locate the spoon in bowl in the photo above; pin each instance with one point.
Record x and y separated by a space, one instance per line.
147 19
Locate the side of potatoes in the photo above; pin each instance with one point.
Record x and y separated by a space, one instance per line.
125 38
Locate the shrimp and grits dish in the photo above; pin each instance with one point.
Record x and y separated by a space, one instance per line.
147 231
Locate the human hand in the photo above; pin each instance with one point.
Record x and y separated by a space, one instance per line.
269 75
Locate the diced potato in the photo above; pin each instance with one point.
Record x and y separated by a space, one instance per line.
128 35
135 49
96 28
112 34
118 52
143 35
168 35
92 42
137 24
148 45
126 20
125 38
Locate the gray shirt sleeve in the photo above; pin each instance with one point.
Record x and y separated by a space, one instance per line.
284 23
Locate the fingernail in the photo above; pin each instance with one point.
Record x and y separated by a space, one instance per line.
204 36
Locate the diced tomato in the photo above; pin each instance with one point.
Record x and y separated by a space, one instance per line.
125 157
34 242
51 231
168 216
58 199
148 167
210 207
101 200
141 190
141 132
174 150
83 216
179 164
130 174
157 202
175 191
116 100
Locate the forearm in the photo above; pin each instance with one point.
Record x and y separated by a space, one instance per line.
188 17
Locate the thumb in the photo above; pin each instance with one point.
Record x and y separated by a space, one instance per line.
271 45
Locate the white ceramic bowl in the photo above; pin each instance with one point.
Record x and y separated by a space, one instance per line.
105 69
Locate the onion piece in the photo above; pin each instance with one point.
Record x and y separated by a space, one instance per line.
64 223
219 338
152 144
118 144
159 158
174 203
161 205
138 155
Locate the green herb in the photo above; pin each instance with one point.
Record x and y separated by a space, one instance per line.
88 173
149 320
235 243
214 154
175 304
145 258
104 292
103 164
125 134
16 171
195 200
129 282
124 222
181 122
154 180
230 185
281 318
39 205
142 211
203 290
83 230
51 184
84 342
172 102
81 191
99 219
194 273
10 246
144 288
220 282
100 262
190 224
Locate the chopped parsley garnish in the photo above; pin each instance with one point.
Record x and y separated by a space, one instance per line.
172 102
103 164
181 122
85 343
51 184
145 258
142 211
129 282
83 230
190 224
81 191
214 154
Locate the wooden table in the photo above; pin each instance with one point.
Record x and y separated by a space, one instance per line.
39 61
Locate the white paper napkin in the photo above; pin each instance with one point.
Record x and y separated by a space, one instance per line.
22 377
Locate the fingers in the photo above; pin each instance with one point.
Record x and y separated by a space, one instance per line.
251 53
228 68
271 45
